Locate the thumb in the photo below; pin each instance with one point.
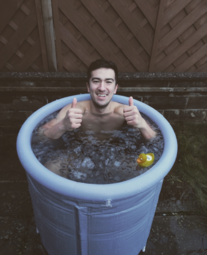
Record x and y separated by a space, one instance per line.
74 103
131 103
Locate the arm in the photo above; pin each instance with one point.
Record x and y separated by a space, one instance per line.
134 118
69 118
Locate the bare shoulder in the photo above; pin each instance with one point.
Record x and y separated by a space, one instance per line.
118 108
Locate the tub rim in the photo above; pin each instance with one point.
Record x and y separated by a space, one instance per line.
95 192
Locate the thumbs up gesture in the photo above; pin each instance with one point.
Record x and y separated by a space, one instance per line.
132 115
73 117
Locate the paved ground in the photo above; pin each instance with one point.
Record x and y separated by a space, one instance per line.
179 226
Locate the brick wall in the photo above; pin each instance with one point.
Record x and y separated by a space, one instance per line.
178 96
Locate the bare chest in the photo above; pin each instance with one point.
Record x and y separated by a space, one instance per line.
97 123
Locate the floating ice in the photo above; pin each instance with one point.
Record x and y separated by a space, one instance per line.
77 149
79 175
106 162
91 158
117 163
87 162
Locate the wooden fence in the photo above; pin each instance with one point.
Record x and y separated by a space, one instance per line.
138 35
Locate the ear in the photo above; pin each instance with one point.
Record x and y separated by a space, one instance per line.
116 87
88 88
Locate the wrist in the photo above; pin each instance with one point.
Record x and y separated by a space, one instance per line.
63 128
142 124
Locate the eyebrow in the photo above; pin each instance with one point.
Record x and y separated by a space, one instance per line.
97 78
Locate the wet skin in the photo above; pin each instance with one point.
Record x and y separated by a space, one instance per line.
99 113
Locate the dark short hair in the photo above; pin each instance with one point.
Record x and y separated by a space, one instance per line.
102 63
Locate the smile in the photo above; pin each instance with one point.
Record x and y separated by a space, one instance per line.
101 95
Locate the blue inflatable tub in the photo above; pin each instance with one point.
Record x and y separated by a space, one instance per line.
94 219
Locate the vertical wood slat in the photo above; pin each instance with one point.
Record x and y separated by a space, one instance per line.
49 34
57 34
156 35
41 34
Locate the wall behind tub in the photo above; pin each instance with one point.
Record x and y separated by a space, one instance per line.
178 96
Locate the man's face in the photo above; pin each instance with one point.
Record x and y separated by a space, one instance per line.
102 86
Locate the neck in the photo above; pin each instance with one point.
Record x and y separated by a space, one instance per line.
100 111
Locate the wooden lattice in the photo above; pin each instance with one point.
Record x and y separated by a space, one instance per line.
114 29
21 48
182 44
138 35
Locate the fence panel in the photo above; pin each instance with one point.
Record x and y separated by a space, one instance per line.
183 37
21 48
115 29
139 36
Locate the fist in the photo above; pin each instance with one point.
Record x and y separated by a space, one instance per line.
73 117
132 115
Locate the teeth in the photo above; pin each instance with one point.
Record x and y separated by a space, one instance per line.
101 95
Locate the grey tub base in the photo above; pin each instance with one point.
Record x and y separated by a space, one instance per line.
79 227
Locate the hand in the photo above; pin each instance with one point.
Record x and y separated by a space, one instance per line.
73 117
132 115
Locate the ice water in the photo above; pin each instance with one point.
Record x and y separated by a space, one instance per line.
97 157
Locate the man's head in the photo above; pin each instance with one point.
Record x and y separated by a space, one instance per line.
102 82
102 63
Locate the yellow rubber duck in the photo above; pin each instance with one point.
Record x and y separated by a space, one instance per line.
146 159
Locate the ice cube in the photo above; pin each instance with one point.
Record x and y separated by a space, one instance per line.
97 173
77 150
117 163
100 165
79 175
106 161
87 162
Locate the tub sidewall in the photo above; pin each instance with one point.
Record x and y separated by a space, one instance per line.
95 192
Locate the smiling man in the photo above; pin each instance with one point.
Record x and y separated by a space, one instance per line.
99 113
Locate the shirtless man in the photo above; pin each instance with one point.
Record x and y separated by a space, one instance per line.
99 113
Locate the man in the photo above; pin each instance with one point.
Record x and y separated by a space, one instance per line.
99 113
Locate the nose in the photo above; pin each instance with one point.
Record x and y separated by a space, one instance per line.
102 86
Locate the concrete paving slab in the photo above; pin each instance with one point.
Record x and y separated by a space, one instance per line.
177 196
10 166
179 226
12 232
178 235
15 200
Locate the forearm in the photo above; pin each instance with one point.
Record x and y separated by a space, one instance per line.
147 131
53 132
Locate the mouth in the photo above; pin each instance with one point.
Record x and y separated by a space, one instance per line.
101 95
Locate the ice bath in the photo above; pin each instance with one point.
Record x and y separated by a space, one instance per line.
82 218
97 157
